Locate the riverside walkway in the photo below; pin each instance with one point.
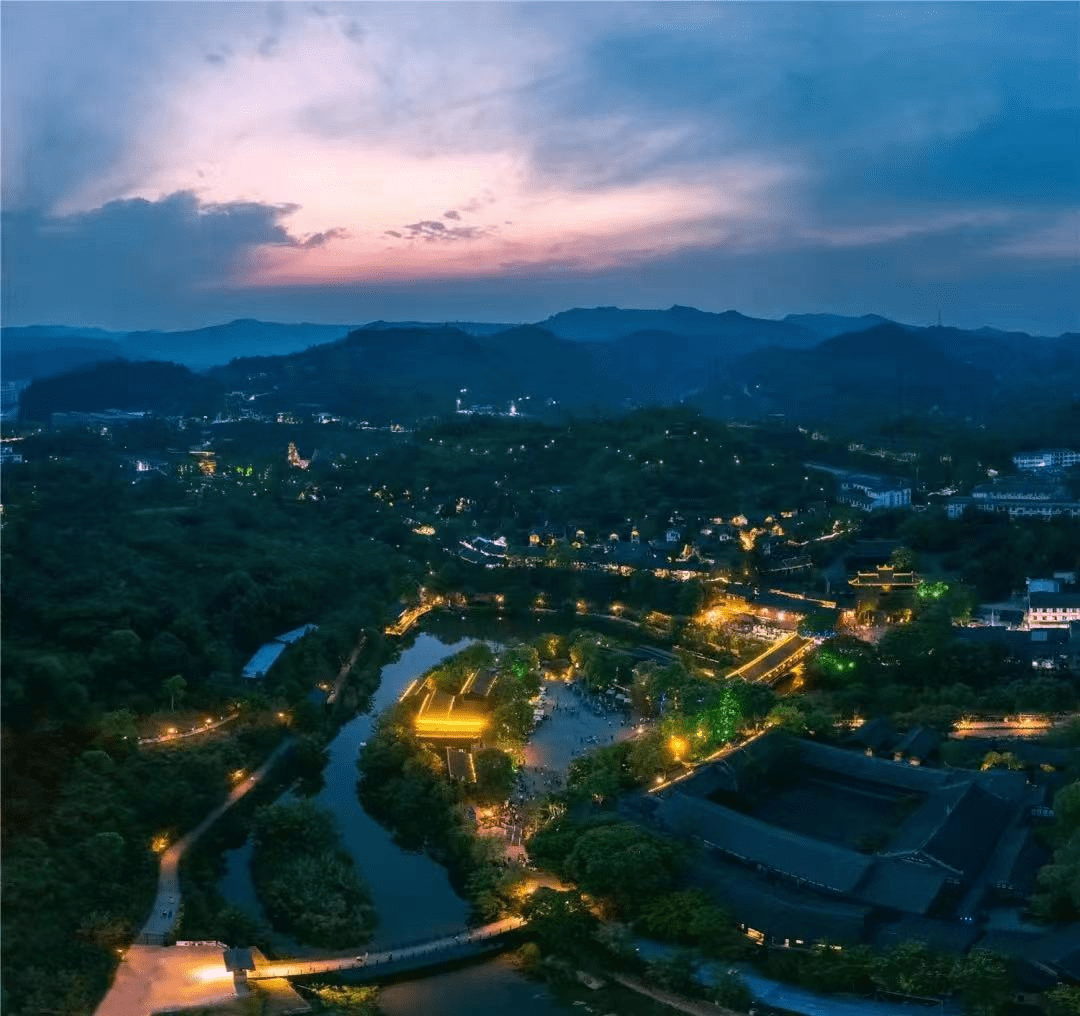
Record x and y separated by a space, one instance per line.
407 957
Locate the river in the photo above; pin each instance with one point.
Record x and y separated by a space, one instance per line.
412 894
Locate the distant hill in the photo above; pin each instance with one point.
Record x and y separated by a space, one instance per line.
198 347
728 364
40 336
120 384
373 374
892 368
216 344
468 327
829 325
19 363
736 330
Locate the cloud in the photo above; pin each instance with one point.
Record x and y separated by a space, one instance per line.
323 238
628 144
129 261
269 45
433 230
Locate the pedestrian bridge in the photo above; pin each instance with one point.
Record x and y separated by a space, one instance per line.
776 661
407 957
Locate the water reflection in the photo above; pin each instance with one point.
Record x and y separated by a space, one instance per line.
412 894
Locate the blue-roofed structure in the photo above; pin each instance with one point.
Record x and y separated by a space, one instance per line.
268 653
265 657
296 634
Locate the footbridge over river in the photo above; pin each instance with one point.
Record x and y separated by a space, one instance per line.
776 661
407 958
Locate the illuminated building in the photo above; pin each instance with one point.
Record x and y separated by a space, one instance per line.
870 492
886 577
443 716
294 458
1050 458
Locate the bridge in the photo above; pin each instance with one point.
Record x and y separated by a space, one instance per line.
772 664
407 957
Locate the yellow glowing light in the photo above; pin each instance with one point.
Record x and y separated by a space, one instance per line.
160 844
678 747
171 730
217 972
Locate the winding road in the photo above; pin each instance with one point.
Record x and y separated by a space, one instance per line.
165 914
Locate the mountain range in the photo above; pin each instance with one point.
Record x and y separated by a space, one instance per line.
808 367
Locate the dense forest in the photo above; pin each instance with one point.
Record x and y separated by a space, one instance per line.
132 602
133 594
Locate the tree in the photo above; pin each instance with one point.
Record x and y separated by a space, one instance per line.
731 991
494 776
117 727
986 983
1064 1000
676 972
787 716
622 861
175 687
1001 760
911 969
561 921
903 559
1067 808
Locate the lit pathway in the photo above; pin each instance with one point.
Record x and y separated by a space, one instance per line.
204 728
392 956
339 681
166 912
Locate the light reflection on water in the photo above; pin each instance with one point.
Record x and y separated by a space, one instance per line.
411 892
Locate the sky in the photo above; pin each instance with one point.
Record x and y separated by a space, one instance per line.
171 165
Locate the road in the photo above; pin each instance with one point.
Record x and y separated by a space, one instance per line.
302 968
166 911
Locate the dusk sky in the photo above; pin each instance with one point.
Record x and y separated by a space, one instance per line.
173 165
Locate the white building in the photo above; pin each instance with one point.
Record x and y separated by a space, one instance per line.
1014 507
1052 610
868 492
8 454
1048 458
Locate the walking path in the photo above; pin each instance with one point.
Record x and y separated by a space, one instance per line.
194 731
166 911
693 1006
339 681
